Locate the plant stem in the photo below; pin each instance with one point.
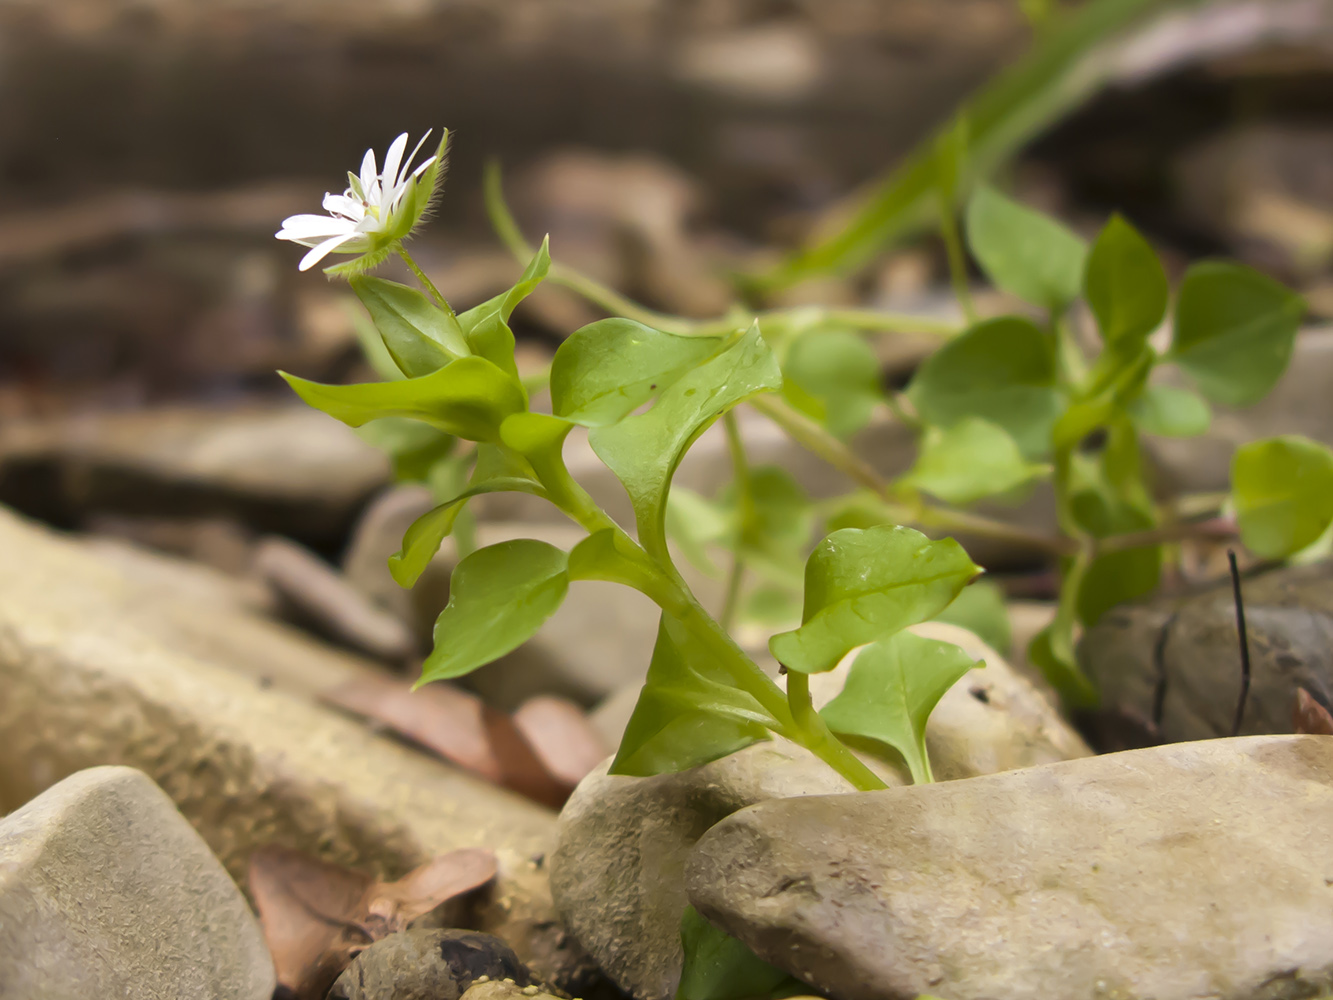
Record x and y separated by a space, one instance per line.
953 246
745 508
813 734
426 282
816 439
738 319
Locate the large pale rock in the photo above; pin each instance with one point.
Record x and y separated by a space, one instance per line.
288 469
105 890
1169 668
624 842
216 705
1176 872
618 871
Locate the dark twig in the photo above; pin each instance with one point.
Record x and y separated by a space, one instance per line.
1244 643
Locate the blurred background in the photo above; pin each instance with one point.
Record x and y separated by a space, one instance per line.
150 148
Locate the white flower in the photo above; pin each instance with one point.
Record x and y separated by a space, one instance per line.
376 211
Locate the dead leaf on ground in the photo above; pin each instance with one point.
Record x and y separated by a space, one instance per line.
1308 716
459 727
562 736
317 916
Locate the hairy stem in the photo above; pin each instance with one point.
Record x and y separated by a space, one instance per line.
426 283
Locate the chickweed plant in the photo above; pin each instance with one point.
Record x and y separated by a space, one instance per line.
1061 390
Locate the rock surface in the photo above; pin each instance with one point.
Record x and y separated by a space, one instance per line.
1169 669
287 469
624 842
1175 872
216 706
106 890
427 965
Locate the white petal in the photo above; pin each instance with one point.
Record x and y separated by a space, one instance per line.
368 173
389 178
304 227
407 164
322 251
348 208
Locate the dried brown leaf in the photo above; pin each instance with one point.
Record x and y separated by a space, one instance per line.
1308 716
459 727
562 736
317 917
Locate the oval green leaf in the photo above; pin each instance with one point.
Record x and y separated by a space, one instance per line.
1024 252
890 691
606 370
1125 284
1169 411
1235 331
862 585
972 459
499 597
1002 370
1283 492
839 370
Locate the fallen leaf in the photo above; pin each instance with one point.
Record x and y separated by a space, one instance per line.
1308 716
318 916
460 728
563 738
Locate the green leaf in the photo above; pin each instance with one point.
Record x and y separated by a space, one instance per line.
1125 284
1002 370
718 967
1116 578
1024 252
980 609
694 522
839 369
468 398
606 370
892 688
1167 411
499 597
1235 330
503 305
412 446
420 337
864 584
1060 71
644 449
1052 652
972 459
1118 377
425 535
611 555
689 713
1283 491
